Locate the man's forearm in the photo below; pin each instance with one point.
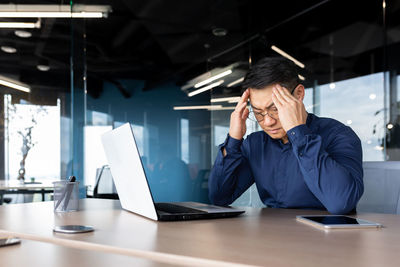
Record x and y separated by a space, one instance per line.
230 175
335 176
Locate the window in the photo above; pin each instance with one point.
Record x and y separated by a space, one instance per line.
361 107
33 131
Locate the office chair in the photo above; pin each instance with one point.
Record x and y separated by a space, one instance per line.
5 200
104 186
381 187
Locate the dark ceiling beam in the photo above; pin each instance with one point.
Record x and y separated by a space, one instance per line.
45 33
125 33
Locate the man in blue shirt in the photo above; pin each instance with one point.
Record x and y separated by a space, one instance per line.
299 160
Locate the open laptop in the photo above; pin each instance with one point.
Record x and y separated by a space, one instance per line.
133 188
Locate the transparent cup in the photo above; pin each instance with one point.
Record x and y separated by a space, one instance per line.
66 196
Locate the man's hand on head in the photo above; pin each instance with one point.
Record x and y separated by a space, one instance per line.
237 127
291 110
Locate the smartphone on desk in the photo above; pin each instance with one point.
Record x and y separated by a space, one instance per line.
9 241
336 221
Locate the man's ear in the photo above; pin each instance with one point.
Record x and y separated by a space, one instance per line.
299 92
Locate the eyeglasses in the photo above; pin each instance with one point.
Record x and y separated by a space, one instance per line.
272 112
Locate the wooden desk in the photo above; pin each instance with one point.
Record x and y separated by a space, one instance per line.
15 187
266 237
38 254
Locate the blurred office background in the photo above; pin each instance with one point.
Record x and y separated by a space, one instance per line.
143 62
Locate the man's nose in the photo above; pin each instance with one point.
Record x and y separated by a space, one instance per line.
268 120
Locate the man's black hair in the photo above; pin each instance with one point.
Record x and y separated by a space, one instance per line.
272 70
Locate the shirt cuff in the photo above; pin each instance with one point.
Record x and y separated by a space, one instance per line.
231 144
297 135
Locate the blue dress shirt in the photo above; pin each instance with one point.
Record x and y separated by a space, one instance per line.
319 168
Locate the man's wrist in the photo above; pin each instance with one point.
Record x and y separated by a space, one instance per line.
234 136
232 144
297 134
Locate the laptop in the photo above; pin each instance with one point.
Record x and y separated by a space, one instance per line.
133 188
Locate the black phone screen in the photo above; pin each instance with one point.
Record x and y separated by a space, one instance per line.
329 220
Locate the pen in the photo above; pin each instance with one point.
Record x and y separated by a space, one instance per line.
69 188
66 193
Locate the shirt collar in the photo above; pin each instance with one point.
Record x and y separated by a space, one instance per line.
310 119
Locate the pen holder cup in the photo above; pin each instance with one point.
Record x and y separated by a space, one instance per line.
66 196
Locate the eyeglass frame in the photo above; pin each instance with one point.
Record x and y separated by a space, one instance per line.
266 113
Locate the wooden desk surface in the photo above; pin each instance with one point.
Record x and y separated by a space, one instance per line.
39 254
266 237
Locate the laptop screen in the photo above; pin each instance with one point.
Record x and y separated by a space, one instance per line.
128 172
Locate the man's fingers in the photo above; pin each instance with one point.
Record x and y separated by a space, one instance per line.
244 97
286 95
277 103
245 114
239 108
278 96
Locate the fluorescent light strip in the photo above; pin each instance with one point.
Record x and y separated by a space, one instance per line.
224 99
196 107
286 55
15 25
221 108
61 14
236 82
15 86
208 87
213 78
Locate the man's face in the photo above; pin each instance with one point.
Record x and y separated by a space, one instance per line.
261 102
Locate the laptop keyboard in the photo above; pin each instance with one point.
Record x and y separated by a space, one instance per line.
175 209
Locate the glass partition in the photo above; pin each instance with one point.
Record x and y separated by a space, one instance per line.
153 64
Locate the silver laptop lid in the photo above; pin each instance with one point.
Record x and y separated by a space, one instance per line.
127 170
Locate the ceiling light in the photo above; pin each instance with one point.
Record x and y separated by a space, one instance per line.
286 55
301 77
236 82
349 122
213 75
14 84
213 78
332 86
22 34
19 14
15 25
389 126
369 142
219 32
208 87
221 108
372 96
195 107
8 49
380 148
43 67
53 11
224 99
